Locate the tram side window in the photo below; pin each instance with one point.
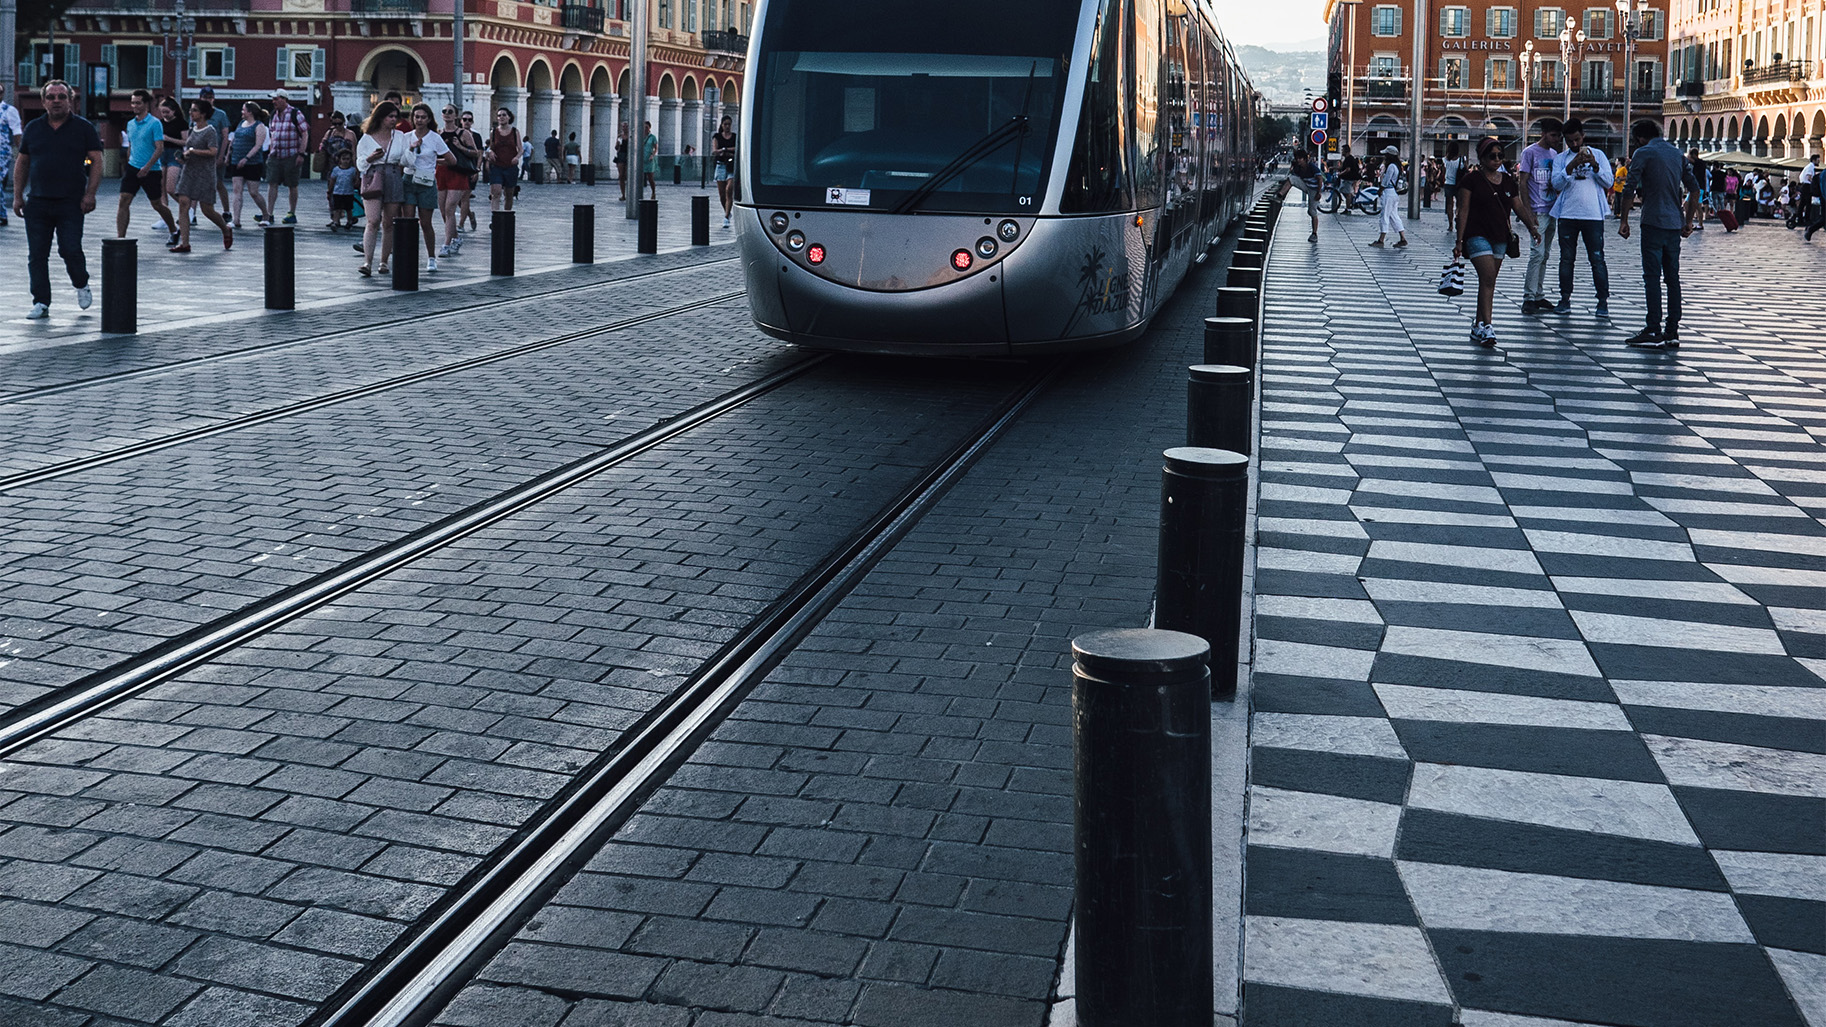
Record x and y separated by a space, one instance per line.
1098 180
1150 154
1182 139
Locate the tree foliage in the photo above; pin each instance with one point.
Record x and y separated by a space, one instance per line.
1271 132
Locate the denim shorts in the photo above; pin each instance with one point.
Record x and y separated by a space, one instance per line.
419 195
724 173
506 176
1478 246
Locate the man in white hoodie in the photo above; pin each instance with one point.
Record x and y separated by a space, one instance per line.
1583 177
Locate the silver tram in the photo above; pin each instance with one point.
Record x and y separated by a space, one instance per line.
984 177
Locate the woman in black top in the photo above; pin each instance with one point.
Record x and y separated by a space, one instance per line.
1485 198
722 149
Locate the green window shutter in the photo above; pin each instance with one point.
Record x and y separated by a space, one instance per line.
318 60
72 62
283 69
193 68
110 55
27 73
228 63
155 67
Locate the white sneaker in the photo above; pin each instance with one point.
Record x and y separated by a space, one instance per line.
725 222
39 310
431 264
84 297
443 251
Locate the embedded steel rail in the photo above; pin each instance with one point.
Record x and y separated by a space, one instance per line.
72 704
68 467
368 326
421 972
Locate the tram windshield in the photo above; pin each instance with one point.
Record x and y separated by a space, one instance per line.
887 106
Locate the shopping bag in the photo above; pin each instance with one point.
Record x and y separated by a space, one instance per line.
1452 279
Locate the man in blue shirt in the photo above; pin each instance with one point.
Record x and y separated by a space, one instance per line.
1659 173
144 172
53 190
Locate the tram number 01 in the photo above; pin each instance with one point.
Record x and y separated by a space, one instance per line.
1024 201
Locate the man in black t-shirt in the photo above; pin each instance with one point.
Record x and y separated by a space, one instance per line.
51 169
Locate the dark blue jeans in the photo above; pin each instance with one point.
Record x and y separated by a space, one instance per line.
1593 234
43 217
1661 259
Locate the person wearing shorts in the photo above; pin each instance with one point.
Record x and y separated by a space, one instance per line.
145 170
503 161
1303 173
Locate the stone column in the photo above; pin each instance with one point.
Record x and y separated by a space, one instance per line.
511 97
603 111
437 95
542 115
350 98
575 118
691 132
667 127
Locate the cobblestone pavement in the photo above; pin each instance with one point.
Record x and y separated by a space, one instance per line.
1537 731
209 287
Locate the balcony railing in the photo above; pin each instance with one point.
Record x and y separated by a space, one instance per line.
1780 71
1385 89
394 8
1693 89
582 17
725 42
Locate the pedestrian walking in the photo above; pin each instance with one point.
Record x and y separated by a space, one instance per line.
573 159
247 162
723 152
621 158
196 185
344 181
649 158
173 126
287 139
504 153
1454 168
1303 173
1486 197
476 144
10 130
224 125
1700 173
145 170
1534 172
427 154
1389 202
1661 175
53 192
337 140
554 158
380 154
1813 194
1350 176
454 176
1582 175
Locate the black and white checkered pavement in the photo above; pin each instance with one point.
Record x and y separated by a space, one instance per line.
1539 711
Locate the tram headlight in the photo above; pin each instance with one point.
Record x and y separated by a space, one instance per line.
961 260
985 247
796 241
1008 230
779 222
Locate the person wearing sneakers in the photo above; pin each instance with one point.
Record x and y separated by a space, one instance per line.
1659 175
1582 175
1535 172
1304 173
1485 198
722 150
1389 203
285 147
10 128
53 192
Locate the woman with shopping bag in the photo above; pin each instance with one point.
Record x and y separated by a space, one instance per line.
1390 208
1485 198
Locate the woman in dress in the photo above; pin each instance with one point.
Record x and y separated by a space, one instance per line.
1485 198
426 155
196 185
453 175
336 140
379 154
247 159
722 150
1389 202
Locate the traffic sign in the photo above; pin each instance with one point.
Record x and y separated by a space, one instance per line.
1320 119
1318 137
1318 104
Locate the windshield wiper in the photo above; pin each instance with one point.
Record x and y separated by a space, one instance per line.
1017 128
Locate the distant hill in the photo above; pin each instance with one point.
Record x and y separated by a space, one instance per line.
1284 77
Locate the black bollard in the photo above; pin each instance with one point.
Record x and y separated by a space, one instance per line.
1246 256
700 221
1237 301
1247 277
1230 340
119 286
583 233
678 174
405 254
586 174
1253 239
501 244
1204 496
1141 747
281 267
1220 407
648 232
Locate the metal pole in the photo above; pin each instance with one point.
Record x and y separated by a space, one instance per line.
1141 751
637 103
457 73
1629 67
9 30
1420 67
1350 81
186 40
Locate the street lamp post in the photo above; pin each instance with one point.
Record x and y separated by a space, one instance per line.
1527 60
179 30
1419 76
1628 22
1572 46
636 104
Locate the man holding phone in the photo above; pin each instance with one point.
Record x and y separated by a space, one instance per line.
1582 174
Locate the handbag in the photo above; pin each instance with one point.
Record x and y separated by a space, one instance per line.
1452 279
320 162
373 186
1515 245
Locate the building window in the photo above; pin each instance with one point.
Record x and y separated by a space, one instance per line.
301 64
134 66
1597 75
665 14
1548 21
1385 21
1547 73
1452 72
1597 22
1384 66
1455 22
1499 23
1653 25
1499 73
212 63
690 15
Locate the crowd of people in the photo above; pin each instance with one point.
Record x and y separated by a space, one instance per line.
196 160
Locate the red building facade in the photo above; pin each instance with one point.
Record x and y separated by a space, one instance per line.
560 66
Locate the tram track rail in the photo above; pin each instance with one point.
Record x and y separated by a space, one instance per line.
34 476
414 978
116 377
